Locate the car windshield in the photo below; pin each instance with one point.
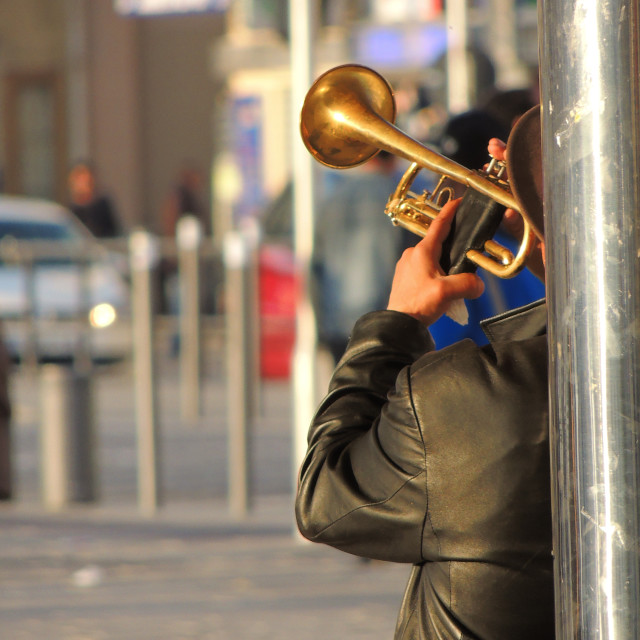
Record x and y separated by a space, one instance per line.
37 231
50 233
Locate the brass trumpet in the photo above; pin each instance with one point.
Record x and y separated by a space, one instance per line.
348 116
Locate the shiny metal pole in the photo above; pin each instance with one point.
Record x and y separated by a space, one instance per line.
591 135
303 15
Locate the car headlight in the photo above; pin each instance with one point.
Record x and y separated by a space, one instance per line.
102 315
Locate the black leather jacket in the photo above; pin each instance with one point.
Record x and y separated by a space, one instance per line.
441 459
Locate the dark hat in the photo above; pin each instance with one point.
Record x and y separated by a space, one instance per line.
524 162
465 136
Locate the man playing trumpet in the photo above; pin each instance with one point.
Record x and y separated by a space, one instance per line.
440 459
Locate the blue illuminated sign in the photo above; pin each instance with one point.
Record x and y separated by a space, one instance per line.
165 7
420 45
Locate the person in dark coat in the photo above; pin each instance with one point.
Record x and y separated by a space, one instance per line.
95 210
440 458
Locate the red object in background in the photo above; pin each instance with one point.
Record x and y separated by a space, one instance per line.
277 287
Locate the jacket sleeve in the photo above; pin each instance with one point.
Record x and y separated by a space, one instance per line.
362 483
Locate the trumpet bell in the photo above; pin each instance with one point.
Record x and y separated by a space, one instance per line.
342 102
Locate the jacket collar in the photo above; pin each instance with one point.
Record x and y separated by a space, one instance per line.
518 324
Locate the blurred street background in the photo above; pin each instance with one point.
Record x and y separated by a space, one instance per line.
157 268
103 570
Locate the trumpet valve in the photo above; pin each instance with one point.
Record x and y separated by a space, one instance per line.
496 168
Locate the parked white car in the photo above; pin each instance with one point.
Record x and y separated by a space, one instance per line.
61 295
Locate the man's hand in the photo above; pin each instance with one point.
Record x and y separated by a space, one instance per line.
420 288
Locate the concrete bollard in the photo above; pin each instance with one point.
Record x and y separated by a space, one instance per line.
189 239
240 359
144 255
69 468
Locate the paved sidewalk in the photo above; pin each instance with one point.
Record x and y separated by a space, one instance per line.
190 572
103 571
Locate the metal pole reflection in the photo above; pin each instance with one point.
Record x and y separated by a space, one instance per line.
591 112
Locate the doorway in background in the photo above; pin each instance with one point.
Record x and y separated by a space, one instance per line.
34 135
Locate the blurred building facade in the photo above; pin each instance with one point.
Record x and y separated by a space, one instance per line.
140 96
79 81
405 40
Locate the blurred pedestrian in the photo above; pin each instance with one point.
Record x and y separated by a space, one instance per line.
94 209
355 250
464 138
184 198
